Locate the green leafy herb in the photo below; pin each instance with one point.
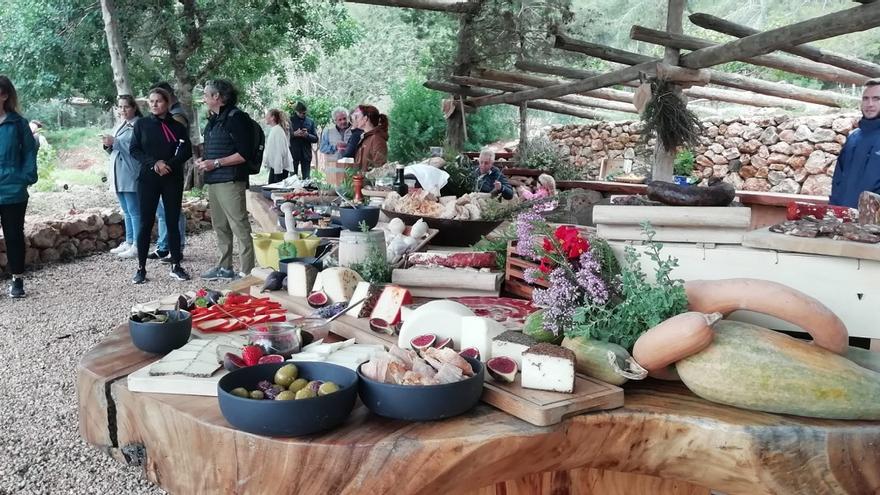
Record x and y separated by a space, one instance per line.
375 268
640 304
287 250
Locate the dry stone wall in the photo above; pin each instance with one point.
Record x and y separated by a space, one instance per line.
779 154
89 232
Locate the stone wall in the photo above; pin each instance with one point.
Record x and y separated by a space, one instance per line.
780 154
89 232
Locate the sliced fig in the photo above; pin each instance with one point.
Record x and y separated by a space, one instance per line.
502 369
379 325
441 343
471 352
232 362
318 299
271 358
423 342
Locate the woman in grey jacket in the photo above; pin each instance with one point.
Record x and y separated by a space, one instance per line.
123 174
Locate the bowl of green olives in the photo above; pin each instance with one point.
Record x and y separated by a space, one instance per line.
287 399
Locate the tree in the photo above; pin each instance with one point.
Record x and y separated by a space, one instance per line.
116 47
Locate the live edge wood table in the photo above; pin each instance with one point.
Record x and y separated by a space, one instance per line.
663 441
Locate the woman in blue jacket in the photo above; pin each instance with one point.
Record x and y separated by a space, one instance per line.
124 170
18 170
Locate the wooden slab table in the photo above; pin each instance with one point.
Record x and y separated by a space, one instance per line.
664 441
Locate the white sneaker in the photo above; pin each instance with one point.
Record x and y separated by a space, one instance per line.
120 248
131 252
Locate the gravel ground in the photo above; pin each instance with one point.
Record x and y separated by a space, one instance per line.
42 204
70 307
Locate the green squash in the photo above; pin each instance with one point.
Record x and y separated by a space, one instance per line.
534 328
592 358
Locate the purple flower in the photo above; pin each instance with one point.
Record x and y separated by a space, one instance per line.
559 301
589 279
525 234
532 275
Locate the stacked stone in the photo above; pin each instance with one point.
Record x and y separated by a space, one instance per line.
89 232
779 154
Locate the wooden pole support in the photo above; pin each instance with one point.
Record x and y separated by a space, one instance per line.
545 105
453 6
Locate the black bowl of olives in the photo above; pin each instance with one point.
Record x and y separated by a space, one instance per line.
288 399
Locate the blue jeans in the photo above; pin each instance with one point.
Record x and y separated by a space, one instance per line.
132 213
162 242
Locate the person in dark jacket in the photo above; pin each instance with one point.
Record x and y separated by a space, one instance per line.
162 146
229 144
18 170
302 136
490 179
858 165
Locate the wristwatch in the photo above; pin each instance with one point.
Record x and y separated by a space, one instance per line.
216 165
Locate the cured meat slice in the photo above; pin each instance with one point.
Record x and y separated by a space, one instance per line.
869 208
508 311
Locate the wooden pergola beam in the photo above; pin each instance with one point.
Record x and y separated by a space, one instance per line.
846 21
807 68
545 105
713 94
826 98
577 100
453 6
543 82
809 52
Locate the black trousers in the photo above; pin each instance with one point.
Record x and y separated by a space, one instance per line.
12 221
302 162
273 177
152 189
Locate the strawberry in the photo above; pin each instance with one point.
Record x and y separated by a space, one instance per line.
251 354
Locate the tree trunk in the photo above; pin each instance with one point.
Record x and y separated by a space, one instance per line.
192 177
523 130
116 48
456 126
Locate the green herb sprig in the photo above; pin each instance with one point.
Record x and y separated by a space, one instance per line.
375 268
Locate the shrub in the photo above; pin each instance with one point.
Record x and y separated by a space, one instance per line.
540 153
684 162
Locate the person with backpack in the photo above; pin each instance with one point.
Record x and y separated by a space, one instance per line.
161 145
233 150
18 170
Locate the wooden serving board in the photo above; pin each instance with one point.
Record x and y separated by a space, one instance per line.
765 239
537 407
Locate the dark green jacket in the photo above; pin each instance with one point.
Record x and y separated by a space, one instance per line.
18 159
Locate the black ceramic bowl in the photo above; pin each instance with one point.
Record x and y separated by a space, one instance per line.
310 260
287 418
351 217
450 232
422 403
161 338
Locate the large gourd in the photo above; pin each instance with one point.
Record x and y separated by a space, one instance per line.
755 368
592 358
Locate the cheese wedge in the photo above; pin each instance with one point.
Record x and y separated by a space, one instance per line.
548 367
512 344
338 283
300 279
390 303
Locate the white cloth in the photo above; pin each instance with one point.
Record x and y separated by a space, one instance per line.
432 179
276 156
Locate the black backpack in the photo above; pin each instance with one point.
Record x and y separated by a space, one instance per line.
255 156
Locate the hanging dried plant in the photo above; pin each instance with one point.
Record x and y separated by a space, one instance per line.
667 115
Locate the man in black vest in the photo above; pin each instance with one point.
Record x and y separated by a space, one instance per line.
228 141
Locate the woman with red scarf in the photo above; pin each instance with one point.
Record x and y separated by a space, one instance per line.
161 145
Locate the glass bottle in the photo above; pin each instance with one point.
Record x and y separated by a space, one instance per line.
399 184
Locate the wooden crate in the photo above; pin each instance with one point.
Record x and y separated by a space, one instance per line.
514 281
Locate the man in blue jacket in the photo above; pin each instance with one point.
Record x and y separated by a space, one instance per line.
490 179
858 165
302 136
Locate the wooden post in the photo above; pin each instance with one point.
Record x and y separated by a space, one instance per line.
809 52
459 7
826 98
456 125
543 82
846 21
546 105
523 131
823 72
664 158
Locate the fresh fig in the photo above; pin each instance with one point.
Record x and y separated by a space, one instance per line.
422 342
274 281
471 352
318 299
379 325
502 369
271 358
232 362
441 343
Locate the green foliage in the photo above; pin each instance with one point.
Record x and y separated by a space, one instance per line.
497 244
375 268
319 107
684 162
75 137
640 305
461 176
47 160
287 250
196 192
540 153
417 123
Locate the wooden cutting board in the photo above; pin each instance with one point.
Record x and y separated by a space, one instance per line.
538 407
765 239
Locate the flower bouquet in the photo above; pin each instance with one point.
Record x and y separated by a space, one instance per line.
589 293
